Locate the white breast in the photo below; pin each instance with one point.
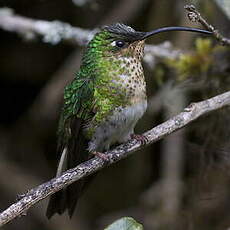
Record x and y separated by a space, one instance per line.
118 128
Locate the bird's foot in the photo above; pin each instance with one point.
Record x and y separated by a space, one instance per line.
103 156
143 139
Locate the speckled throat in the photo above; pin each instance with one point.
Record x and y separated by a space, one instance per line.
120 97
120 80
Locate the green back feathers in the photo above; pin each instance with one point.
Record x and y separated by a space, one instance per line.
94 88
78 95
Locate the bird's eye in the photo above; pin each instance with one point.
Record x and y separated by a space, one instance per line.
120 43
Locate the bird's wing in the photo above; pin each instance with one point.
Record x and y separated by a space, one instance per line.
77 109
72 144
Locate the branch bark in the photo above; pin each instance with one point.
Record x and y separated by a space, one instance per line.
195 16
51 31
191 113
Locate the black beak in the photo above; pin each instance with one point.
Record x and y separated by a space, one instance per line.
174 28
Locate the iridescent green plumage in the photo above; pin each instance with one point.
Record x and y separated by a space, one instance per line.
102 104
89 100
82 99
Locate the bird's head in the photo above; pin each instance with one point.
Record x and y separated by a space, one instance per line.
122 40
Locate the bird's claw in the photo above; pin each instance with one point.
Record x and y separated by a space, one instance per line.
103 156
143 139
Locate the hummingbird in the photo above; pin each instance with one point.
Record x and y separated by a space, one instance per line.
102 104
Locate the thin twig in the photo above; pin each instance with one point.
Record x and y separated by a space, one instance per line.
189 114
195 16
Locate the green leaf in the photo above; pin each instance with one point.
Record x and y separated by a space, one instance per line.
125 223
225 6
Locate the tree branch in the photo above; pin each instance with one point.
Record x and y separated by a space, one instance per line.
189 114
195 16
51 31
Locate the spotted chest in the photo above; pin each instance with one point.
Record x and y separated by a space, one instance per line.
119 125
133 81
127 79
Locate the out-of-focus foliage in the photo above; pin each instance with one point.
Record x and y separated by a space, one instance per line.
125 223
206 62
224 5
196 62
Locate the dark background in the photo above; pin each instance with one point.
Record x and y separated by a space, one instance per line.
181 182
